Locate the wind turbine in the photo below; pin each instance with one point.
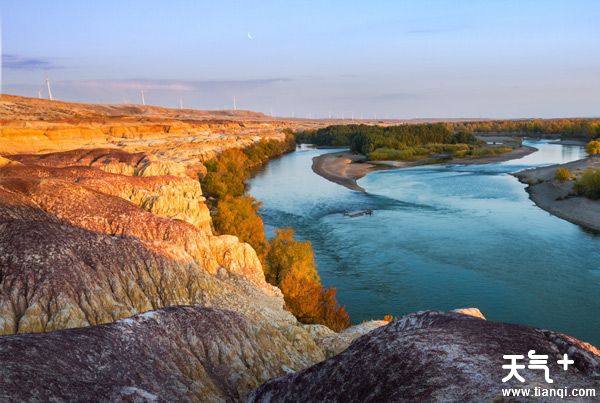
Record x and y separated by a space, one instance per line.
180 103
143 99
50 97
234 104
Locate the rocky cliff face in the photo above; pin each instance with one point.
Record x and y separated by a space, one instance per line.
435 356
99 256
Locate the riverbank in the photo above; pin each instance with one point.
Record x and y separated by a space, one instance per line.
557 197
345 168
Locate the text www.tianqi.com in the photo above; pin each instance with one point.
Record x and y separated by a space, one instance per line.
549 392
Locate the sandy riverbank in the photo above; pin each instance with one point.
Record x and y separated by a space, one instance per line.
345 168
556 197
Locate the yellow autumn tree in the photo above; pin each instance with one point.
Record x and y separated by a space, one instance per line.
291 267
593 147
239 216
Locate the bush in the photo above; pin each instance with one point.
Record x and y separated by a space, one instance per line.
415 153
562 174
593 147
588 184
239 216
291 267
389 154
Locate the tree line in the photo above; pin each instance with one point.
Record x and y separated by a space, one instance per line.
394 142
585 129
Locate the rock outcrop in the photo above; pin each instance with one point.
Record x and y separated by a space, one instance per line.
435 356
173 354
75 251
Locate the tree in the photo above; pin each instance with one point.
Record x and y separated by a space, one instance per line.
239 216
291 267
593 147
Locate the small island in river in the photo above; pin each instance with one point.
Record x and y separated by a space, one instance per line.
345 168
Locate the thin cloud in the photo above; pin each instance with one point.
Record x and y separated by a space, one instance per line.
395 96
18 62
174 85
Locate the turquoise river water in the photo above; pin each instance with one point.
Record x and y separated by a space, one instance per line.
442 237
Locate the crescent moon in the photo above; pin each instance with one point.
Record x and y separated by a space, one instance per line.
250 36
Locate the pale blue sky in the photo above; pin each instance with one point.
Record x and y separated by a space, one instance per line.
404 59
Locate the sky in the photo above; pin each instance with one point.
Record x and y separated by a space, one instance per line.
384 59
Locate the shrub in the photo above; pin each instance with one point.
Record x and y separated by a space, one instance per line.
239 216
291 267
562 174
588 184
488 151
389 154
593 147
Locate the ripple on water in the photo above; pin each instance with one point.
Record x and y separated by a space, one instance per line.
442 237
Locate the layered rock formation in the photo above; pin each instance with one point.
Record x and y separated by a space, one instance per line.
80 246
435 356
88 247
29 125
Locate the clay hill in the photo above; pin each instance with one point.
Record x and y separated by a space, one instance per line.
113 285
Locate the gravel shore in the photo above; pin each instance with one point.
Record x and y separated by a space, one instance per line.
557 197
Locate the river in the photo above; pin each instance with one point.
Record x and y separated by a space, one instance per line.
442 237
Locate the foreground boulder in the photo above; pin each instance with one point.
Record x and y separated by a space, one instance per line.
435 356
173 354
